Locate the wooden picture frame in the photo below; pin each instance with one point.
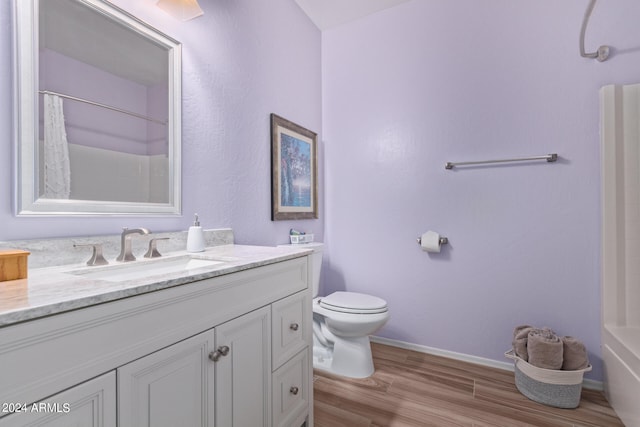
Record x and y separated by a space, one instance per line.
294 171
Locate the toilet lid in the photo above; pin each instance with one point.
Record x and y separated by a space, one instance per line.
352 302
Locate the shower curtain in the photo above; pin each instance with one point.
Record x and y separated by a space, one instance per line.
57 174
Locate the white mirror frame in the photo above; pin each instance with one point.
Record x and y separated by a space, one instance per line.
25 58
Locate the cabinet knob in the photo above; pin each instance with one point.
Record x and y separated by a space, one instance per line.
221 351
294 390
294 326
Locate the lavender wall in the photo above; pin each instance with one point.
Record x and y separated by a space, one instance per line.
242 61
431 81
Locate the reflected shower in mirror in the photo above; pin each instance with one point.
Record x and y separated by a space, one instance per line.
107 112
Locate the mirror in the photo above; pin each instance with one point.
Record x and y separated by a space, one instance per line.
98 111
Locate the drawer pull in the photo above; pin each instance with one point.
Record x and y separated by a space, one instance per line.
221 351
294 390
294 326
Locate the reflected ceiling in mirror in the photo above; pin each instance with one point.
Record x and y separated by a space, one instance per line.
99 111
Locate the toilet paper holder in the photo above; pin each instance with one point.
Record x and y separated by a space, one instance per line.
443 240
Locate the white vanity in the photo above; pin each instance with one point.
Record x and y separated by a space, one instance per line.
224 344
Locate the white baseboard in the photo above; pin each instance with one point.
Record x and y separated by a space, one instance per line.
507 366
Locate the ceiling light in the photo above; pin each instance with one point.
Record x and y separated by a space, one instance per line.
183 10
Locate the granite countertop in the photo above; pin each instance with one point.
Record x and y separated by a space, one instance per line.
54 290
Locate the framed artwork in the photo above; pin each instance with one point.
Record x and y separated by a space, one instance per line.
294 171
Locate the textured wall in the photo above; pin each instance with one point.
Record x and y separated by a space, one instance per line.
242 60
431 81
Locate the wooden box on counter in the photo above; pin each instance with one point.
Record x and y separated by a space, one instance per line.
13 264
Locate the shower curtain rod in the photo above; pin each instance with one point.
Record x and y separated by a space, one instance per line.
548 157
108 107
603 51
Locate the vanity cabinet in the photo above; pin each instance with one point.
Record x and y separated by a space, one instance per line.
234 350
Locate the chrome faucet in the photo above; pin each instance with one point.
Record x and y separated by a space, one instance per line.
125 243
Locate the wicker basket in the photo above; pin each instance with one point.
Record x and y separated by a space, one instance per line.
560 389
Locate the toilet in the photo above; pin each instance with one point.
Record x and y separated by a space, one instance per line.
342 323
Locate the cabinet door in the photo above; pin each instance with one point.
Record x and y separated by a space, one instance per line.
171 387
90 404
243 375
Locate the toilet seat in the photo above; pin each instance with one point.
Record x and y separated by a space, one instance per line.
354 303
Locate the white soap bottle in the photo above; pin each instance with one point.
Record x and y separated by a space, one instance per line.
195 237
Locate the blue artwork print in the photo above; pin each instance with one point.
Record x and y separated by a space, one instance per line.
295 167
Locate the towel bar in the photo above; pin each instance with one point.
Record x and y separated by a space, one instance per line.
548 157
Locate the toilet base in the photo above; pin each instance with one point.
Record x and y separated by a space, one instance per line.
348 357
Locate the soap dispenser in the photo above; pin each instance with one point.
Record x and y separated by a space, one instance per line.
195 237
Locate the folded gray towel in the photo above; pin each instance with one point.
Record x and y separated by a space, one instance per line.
520 334
544 349
574 354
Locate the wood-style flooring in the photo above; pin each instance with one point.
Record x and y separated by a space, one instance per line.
417 389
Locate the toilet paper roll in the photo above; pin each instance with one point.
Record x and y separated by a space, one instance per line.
430 241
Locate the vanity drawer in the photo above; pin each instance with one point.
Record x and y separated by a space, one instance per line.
290 319
290 395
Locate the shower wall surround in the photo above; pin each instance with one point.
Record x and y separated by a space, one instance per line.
410 88
238 68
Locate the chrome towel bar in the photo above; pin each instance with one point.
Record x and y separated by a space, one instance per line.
548 157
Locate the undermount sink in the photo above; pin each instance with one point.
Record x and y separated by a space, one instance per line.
144 269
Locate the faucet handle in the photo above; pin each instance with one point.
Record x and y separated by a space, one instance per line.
152 252
96 258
